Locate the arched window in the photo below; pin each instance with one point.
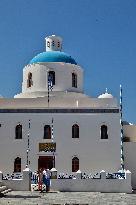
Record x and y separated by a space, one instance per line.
74 80
58 44
18 132
17 165
53 44
51 75
47 132
104 132
75 131
75 164
29 80
48 44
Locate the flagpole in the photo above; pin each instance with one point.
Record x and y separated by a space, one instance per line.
28 145
52 136
48 91
121 125
50 87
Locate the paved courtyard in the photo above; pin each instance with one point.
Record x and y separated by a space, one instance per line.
36 198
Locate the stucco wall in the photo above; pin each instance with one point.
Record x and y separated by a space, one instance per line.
130 159
63 77
23 184
101 184
58 100
94 154
95 185
129 132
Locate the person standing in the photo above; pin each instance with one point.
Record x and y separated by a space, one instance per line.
40 179
46 179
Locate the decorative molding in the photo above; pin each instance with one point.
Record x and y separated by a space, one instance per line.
33 110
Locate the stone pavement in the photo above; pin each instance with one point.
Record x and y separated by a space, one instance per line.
37 198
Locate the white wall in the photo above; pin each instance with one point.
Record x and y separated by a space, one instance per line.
94 154
129 148
59 100
129 131
23 184
92 185
63 77
130 159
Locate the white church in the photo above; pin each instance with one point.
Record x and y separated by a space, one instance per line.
52 123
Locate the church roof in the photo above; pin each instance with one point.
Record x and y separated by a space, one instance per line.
53 56
58 100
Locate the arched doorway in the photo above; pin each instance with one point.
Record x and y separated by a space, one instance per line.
46 162
17 164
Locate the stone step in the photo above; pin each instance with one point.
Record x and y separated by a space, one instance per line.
2 188
6 191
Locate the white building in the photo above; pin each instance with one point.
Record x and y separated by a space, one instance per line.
64 127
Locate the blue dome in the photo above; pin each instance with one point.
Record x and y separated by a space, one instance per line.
53 56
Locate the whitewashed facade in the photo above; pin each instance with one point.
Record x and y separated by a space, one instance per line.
130 150
67 106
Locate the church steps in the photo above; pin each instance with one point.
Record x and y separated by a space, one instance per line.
4 190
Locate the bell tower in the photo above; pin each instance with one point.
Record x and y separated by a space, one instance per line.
53 43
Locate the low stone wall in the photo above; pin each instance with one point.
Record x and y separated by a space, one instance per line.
23 184
94 185
117 182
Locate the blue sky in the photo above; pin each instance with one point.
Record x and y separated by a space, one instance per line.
99 34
